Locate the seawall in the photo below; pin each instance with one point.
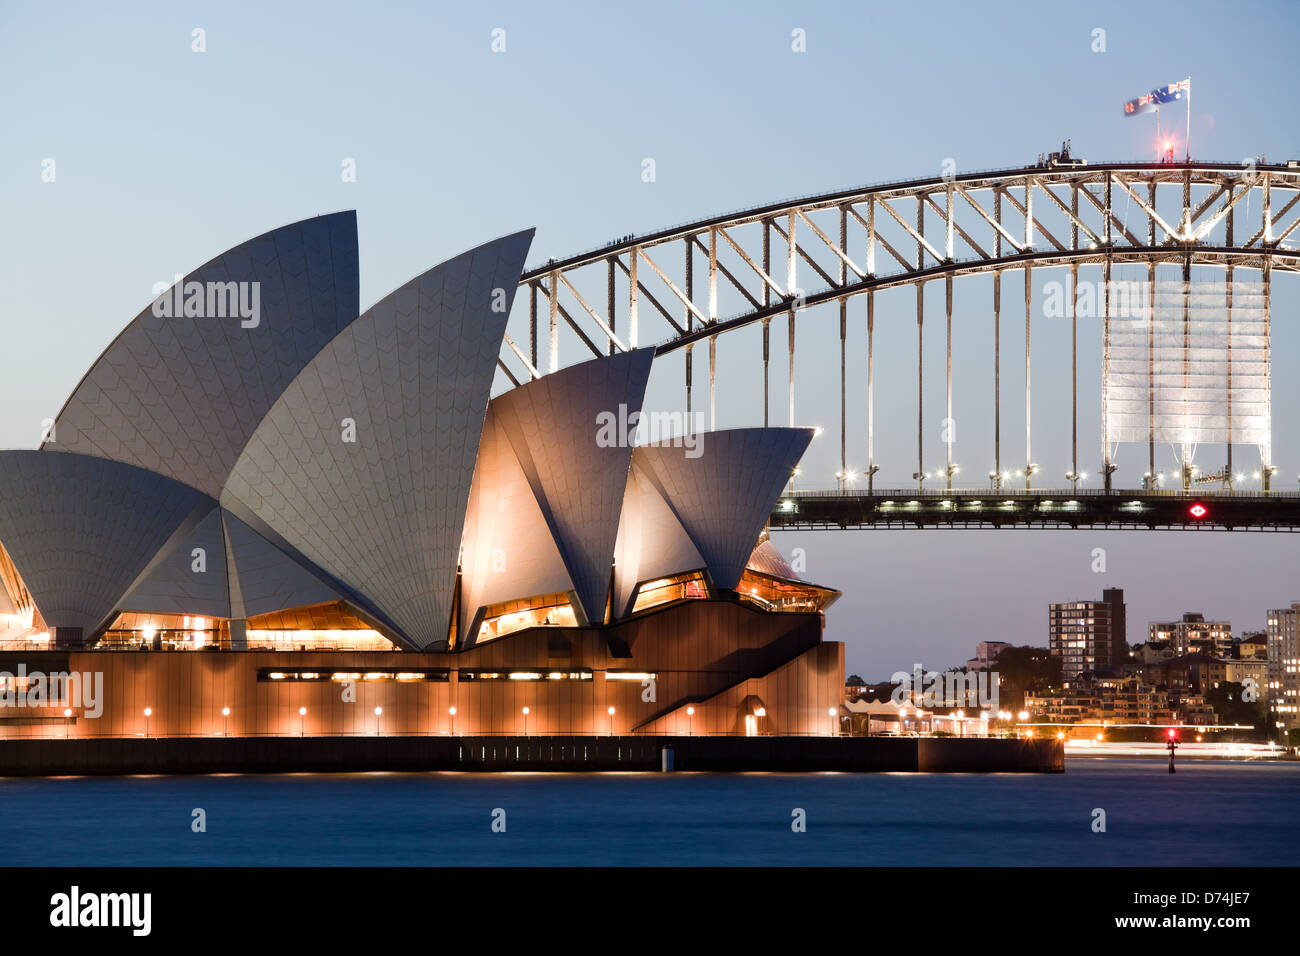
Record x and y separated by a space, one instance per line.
354 754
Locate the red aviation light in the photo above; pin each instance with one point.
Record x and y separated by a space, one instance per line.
1198 510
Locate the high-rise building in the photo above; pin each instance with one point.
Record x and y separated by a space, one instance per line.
1284 666
1193 635
1089 636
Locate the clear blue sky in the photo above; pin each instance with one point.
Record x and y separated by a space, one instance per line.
165 157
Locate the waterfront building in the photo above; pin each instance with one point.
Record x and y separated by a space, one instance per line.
1089 636
1103 700
1193 634
319 520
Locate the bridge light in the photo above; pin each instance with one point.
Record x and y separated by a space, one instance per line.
1198 510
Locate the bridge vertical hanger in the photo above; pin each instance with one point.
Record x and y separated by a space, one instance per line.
948 422
1030 467
997 344
632 285
689 262
920 354
844 324
611 305
871 397
690 358
1107 469
1074 339
791 365
1151 371
1267 467
1188 448
792 290
1074 373
532 323
553 293
1152 272
1227 240
1266 450
767 322
713 318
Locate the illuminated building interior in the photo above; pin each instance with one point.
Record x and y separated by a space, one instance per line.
541 611
319 627
20 621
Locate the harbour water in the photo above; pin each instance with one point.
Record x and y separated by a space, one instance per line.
1209 813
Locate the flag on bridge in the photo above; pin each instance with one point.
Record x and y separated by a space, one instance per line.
1152 101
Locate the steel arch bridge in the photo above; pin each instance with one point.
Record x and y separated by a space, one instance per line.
691 284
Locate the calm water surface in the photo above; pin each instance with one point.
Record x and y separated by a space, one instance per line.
1209 813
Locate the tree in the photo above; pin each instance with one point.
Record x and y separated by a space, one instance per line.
1023 670
1229 708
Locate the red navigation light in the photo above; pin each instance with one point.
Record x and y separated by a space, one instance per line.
1198 510
1172 733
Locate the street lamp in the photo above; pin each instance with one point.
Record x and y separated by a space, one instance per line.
67 713
302 720
525 721
611 721
379 712
451 711
831 712
225 712
690 721
148 712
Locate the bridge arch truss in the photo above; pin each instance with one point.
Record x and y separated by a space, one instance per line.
689 285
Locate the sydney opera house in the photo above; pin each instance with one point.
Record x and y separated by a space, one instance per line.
317 520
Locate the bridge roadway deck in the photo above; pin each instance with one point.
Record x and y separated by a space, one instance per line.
1045 508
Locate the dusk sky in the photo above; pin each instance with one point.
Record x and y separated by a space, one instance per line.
165 157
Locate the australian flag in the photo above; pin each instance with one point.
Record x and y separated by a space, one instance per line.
1158 97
